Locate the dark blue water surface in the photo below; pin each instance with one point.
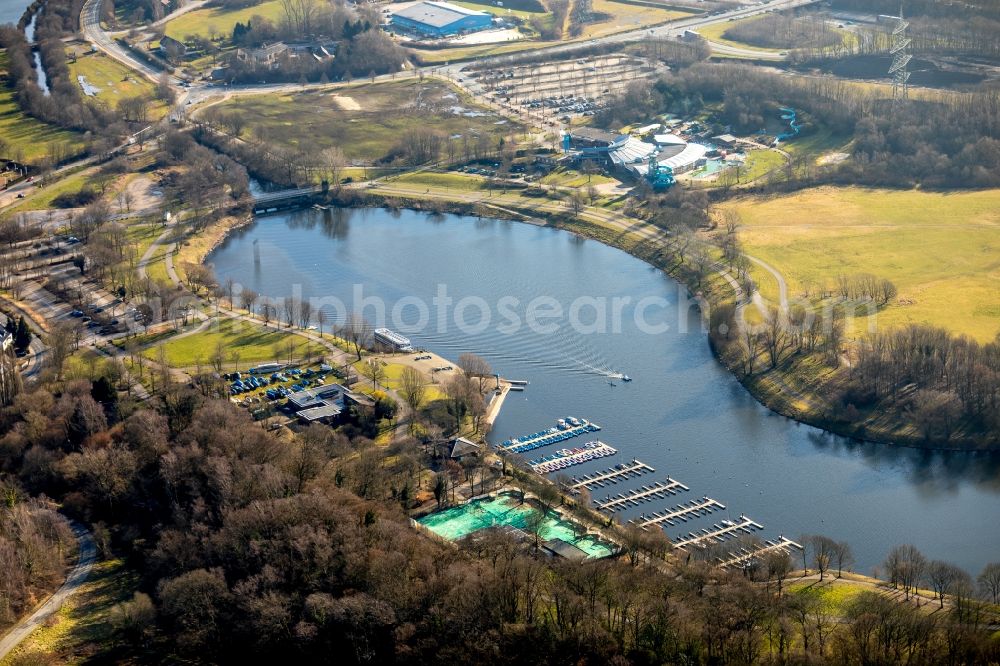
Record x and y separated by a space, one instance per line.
683 413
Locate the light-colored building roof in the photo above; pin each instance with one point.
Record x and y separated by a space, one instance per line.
437 14
593 135
725 138
460 446
630 150
646 129
313 397
324 411
669 139
691 154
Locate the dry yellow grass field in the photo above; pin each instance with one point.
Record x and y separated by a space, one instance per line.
942 250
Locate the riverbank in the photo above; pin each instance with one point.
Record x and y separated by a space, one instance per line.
196 247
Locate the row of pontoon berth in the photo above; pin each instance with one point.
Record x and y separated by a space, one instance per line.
564 458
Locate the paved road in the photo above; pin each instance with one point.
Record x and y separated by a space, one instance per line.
76 577
90 22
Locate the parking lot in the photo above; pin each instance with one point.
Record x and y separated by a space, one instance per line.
41 273
563 91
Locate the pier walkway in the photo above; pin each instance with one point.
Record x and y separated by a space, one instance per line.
719 532
744 555
681 512
658 490
613 475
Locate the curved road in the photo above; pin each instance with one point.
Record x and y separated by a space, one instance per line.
76 577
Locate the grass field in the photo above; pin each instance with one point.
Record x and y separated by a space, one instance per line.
572 178
835 595
452 181
366 121
24 136
715 31
626 16
941 250
499 11
759 163
217 20
253 342
115 82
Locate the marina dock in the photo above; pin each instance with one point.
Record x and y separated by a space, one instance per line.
658 490
744 555
719 532
613 475
550 436
569 457
681 512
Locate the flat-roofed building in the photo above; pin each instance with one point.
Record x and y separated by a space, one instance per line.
439 19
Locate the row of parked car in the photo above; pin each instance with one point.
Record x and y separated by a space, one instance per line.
248 383
570 104
94 316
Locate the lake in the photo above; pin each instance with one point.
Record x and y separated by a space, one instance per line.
683 414
12 10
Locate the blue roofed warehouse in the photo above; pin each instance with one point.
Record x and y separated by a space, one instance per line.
439 19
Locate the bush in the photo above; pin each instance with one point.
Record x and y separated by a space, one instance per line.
79 199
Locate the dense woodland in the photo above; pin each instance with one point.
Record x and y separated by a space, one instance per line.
35 546
254 548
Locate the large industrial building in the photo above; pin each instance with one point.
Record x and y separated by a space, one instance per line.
439 19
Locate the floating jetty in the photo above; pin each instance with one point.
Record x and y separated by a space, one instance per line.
681 512
612 475
658 490
567 428
719 532
745 555
576 456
